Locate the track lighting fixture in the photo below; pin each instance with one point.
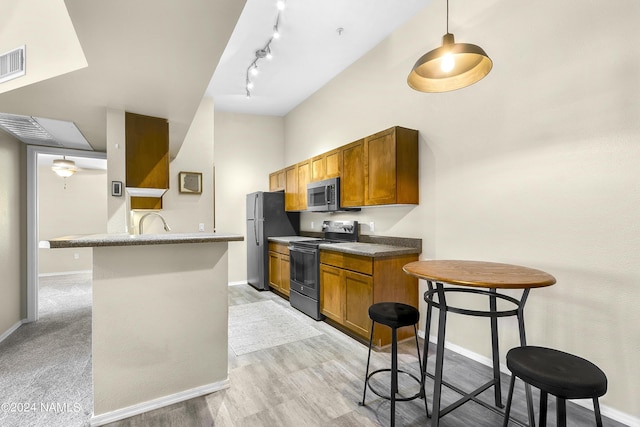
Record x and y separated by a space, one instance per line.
265 52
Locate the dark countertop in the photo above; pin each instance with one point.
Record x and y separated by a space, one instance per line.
287 239
382 249
373 250
96 240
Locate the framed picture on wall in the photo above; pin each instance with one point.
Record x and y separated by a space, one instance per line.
190 182
116 188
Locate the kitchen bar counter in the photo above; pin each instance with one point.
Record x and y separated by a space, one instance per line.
123 239
159 319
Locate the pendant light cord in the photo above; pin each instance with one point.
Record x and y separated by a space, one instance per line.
447 16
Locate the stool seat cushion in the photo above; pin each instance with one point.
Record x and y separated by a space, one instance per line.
394 314
556 372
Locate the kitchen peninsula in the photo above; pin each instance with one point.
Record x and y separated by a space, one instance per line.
160 315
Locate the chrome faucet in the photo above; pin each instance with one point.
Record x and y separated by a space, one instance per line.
166 226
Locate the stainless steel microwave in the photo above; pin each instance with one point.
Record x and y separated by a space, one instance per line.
324 196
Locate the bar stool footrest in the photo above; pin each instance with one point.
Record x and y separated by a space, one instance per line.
398 399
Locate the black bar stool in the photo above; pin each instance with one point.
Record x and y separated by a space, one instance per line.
395 315
557 373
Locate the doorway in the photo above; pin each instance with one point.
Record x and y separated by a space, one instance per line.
35 156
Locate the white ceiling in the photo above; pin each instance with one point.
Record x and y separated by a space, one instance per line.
309 53
157 57
151 57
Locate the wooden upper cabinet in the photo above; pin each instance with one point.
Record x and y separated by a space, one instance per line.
352 181
291 200
147 157
381 169
391 167
304 176
326 165
333 163
277 181
296 180
147 151
318 168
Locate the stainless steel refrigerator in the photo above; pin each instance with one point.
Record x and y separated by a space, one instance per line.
266 218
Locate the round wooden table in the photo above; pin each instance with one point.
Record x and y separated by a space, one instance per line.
480 278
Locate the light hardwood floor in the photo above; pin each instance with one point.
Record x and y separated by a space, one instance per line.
315 381
318 381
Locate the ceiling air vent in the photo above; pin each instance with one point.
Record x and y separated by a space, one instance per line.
43 131
12 64
26 129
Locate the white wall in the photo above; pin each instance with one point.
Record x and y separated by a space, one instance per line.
534 165
52 47
80 208
179 347
12 234
117 207
183 212
248 148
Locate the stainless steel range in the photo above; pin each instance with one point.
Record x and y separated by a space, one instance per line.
304 258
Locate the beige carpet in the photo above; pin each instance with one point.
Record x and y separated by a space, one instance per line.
264 324
45 366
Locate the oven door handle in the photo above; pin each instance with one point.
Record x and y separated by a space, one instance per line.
301 250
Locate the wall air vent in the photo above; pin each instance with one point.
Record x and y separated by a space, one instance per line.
12 64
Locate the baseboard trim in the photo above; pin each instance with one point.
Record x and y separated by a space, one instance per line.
241 282
130 411
65 273
607 411
12 329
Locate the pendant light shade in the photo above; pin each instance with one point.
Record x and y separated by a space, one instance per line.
63 167
451 66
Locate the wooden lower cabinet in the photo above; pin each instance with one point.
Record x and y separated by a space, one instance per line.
332 289
285 282
350 284
358 299
279 267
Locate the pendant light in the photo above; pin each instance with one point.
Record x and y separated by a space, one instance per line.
63 167
449 67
